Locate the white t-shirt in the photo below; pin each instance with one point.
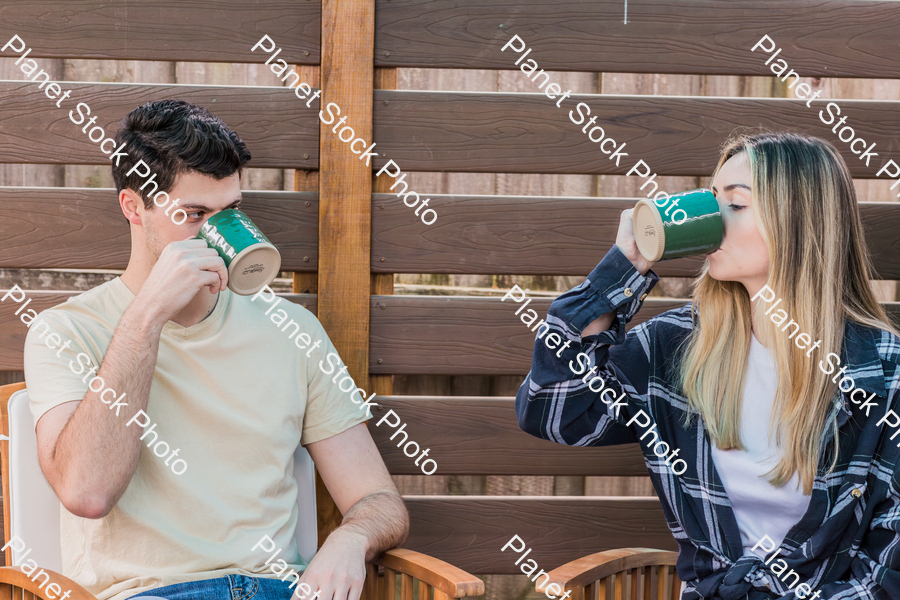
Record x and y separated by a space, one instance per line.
236 395
759 507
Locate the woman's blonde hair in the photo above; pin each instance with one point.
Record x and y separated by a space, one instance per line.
804 205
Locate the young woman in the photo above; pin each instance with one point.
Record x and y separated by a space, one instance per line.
755 437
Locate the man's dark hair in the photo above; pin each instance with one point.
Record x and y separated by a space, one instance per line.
175 137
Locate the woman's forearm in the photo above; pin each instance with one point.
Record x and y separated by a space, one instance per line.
599 325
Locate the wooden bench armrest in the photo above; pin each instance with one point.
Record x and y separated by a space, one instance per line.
588 569
443 576
15 576
453 582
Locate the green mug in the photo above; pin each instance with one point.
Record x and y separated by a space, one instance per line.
252 261
685 224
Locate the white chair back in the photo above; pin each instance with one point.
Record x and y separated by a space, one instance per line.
307 532
34 507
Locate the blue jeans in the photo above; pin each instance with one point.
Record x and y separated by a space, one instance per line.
229 587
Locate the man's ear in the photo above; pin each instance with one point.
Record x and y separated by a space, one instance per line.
130 203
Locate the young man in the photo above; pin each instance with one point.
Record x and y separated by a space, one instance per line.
230 396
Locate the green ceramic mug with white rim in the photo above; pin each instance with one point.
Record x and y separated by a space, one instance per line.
252 260
685 224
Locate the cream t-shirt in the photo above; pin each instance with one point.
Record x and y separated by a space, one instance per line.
236 396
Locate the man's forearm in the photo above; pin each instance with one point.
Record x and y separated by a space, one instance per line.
96 453
381 518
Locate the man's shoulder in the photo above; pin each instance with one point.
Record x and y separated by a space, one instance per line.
100 307
279 323
280 310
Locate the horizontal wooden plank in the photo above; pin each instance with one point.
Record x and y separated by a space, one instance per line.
13 329
532 235
460 336
527 133
411 335
81 228
189 30
543 235
480 436
448 131
469 336
277 127
819 38
470 531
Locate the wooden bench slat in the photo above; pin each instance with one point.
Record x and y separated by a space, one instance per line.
469 531
390 583
541 235
406 587
590 35
527 133
480 436
277 127
189 30
80 228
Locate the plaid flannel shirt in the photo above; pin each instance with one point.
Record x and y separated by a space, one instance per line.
847 545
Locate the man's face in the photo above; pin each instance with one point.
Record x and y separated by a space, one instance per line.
200 196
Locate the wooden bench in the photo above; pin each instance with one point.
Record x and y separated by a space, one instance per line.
344 236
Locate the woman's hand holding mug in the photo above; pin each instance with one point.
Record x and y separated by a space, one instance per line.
627 244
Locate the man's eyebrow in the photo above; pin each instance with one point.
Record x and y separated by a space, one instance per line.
731 186
204 208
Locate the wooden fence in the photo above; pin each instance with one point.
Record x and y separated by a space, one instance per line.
346 239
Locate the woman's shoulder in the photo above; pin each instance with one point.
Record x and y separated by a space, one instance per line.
678 319
666 330
863 339
873 352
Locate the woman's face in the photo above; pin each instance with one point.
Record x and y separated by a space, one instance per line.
743 256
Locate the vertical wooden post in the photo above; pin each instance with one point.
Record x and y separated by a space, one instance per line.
345 191
306 181
383 283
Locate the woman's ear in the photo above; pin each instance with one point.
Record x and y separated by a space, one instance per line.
131 205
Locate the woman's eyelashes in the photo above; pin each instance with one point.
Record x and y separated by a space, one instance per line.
736 207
